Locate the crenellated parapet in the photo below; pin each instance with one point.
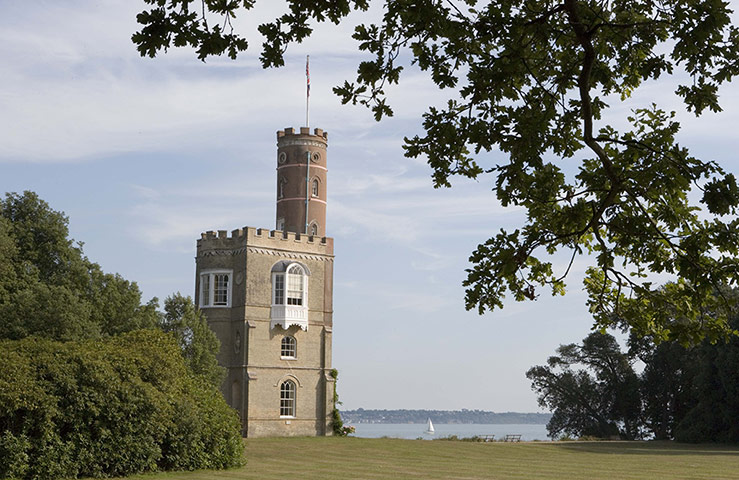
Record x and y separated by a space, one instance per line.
223 242
290 133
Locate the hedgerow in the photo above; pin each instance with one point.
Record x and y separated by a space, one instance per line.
111 407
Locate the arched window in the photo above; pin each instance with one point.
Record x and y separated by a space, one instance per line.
289 295
289 348
281 187
287 399
295 285
314 188
314 228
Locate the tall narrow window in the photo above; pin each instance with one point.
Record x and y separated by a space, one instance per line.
295 285
289 347
279 290
220 292
315 188
314 229
281 188
287 399
205 290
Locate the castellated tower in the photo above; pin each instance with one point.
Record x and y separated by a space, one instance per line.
301 181
267 294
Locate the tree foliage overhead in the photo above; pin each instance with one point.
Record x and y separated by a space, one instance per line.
531 81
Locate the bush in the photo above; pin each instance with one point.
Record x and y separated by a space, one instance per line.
109 408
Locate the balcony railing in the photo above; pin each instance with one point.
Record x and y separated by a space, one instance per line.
287 315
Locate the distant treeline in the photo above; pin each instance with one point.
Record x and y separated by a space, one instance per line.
361 415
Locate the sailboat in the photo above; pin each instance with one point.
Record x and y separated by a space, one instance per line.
429 428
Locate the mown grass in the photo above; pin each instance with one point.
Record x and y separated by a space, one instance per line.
368 458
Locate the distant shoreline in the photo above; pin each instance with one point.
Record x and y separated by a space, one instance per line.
362 415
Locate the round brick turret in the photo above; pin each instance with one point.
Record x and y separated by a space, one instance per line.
300 179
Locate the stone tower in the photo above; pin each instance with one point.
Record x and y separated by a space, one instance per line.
268 296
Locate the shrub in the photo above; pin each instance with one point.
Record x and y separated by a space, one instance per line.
109 408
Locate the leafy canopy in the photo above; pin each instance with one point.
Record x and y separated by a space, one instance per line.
198 343
49 288
531 81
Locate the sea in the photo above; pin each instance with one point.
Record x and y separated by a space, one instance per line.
528 432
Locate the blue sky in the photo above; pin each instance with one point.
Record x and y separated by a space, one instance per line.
143 155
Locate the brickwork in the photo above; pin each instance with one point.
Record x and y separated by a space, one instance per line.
295 182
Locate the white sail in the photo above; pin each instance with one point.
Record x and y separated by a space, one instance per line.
430 428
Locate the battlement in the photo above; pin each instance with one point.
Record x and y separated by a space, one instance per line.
263 237
317 132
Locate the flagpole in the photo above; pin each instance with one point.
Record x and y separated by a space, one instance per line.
307 89
307 159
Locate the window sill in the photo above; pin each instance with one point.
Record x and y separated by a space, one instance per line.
288 358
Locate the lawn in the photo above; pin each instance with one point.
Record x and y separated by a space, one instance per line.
360 458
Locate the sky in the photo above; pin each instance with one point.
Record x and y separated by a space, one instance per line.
145 154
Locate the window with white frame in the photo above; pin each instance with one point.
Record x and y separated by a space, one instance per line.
205 290
215 288
281 224
287 399
279 290
314 188
289 347
314 228
289 295
295 285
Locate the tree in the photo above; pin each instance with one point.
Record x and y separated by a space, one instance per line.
49 288
197 341
668 386
714 416
688 394
530 85
601 400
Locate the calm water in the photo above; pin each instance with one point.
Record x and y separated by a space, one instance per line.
528 432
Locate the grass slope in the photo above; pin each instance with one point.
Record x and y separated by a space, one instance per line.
364 458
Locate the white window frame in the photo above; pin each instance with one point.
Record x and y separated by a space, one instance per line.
281 224
210 293
295 286
281 279
288 348
289 310
288 405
